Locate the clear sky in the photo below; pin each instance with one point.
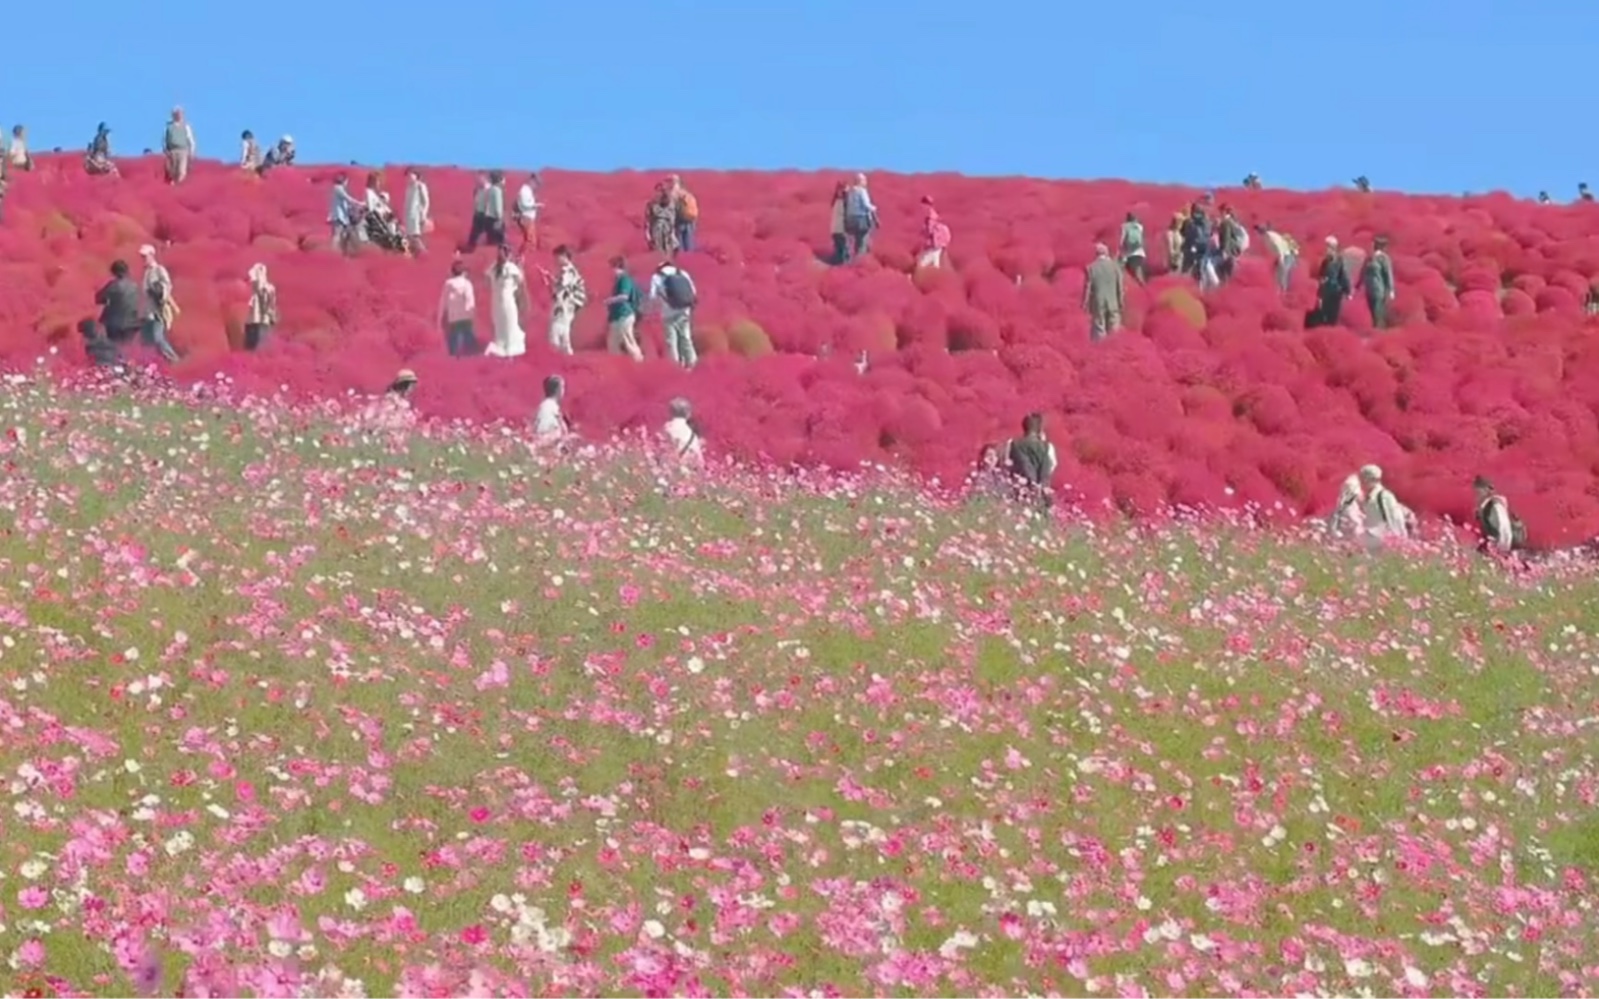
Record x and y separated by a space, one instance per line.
1429 96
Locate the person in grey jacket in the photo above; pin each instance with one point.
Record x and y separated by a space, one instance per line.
1377 278
1104 294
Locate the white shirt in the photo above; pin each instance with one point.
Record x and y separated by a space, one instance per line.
525 205
547 421
685 442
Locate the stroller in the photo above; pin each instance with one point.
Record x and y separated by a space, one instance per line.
383 230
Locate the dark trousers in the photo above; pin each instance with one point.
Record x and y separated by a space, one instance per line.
490 231
460 339
122 334
1379 311
255 335
840 248
1135 267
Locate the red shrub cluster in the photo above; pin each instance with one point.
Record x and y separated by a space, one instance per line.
1493 367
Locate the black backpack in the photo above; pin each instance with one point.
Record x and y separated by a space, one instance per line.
678 290
1518 529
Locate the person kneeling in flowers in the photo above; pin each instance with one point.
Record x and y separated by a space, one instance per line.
682 435
550 425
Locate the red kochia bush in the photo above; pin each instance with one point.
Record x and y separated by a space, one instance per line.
1492 366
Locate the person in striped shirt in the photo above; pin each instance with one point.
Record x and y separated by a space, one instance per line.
569 294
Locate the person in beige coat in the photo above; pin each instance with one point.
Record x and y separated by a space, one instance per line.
1104 294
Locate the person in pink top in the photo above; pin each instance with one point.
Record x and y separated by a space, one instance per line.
457 310
935 238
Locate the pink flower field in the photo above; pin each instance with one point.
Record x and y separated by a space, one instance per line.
294 707
1493 367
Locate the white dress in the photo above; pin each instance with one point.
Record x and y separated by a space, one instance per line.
510 340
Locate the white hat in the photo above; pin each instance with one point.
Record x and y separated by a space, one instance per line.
147 250
1332 240
1372 472
287 140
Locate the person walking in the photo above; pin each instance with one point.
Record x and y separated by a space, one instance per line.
1286 252
160 310
1332 287
263 313
1133 253
674 289
527 213
179 146
860 217
1377 279
935 237
418 210
507 302
621 313
342 215
458 311
687 210
568 294
1104 294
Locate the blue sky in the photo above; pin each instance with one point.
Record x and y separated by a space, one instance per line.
1469 95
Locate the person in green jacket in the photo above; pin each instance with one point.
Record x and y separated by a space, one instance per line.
1377 278
621 313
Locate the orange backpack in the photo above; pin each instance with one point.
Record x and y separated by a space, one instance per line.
687 208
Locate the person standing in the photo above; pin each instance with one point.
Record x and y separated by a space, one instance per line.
263 308
621 313
418 210
674 289
1104 294
249 153
1332 287
568 294
458 311
1133 255
507 302
1377 279
687 209
860 217
1283 247
1032 461
342 215
935 237
179 146
159 307
527 212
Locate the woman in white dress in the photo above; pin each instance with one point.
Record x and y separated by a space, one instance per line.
507 297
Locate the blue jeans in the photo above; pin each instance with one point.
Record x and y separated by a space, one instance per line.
459 339
862 242
685 236
154 333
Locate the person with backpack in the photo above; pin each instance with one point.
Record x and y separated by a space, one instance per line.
1349 512
674 289
687 209
160 310
1283 247
860 217
1503 533
1234 242
621 313
1385 516
1031 460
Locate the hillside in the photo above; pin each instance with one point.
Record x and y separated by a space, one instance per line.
1493 369
304 710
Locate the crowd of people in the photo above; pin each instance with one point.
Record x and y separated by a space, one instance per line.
1201 242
